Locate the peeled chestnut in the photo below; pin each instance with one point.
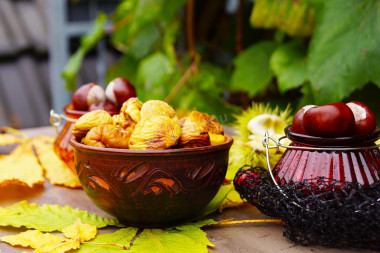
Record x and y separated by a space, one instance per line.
104 105
120 90
86 95
365 120
331 120
297 125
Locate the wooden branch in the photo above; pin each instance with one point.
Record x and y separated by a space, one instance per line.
236 222
189 72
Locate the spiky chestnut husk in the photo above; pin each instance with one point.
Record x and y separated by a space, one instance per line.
243 154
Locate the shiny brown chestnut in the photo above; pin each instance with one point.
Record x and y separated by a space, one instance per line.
86 95
120 90
331 120
365 120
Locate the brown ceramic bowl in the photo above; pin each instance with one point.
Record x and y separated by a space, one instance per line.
151 188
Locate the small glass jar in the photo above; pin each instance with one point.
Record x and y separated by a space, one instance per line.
62 145
347 159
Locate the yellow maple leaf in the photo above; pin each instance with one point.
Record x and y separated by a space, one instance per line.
80 231
32 238
21 167
56 171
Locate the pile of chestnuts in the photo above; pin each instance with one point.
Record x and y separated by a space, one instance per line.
92 96
335 120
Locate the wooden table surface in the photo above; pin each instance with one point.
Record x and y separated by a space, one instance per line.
232 238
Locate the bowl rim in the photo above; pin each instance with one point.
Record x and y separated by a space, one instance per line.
180 151
347 141
77 114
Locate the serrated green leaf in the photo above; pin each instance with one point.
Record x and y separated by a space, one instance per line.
103 243
288 62
48 218
198 236
344 51
152 76
88 41
195 224
157 240
252 72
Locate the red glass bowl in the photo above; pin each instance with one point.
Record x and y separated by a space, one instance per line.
350 159
151 188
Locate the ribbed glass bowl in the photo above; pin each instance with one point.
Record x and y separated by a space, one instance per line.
350 159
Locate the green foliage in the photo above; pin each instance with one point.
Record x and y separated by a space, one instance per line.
217 200
88 41
288 62
45 218
187 237
252 72
344 51
322 51
172 240
153 75
105 242
294 17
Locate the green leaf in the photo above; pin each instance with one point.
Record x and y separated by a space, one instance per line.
218 199
157 240
344 51
294 17
108 242
48 218
152 77
144 40
195 225
252 72
288 62
126 67
170 8
88 41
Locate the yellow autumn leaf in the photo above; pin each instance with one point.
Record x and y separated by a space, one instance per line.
80 231
10 136
21 167
8 139
59 247
56 171
32 238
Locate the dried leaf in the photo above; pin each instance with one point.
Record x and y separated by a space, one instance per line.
80 231
9 139
232 200
59 247
113 242
21 167
217 200
32 238
48 218
56 171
